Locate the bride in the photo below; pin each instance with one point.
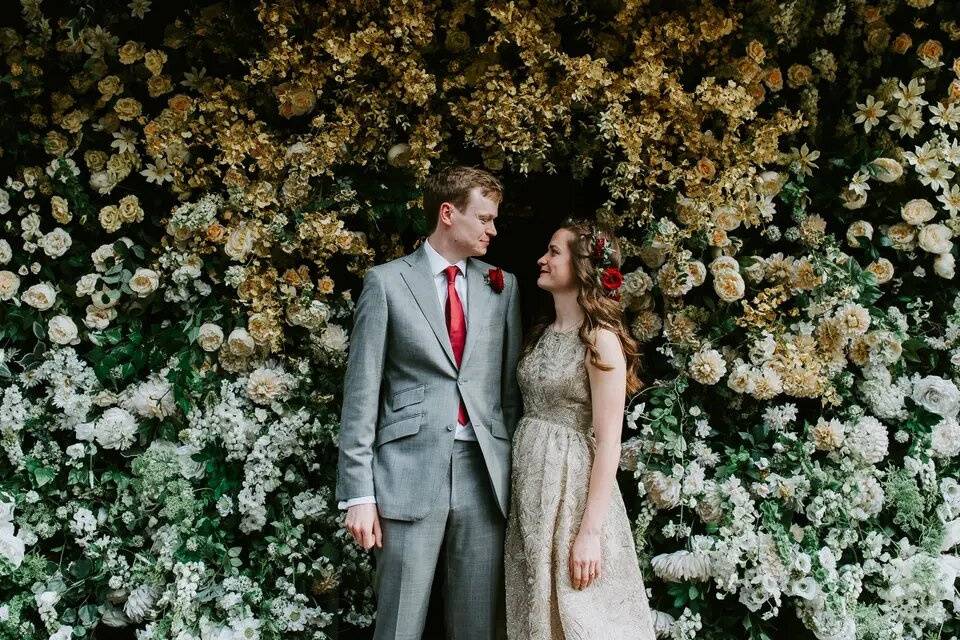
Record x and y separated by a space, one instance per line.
570 561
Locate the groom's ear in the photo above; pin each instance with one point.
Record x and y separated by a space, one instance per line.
444 215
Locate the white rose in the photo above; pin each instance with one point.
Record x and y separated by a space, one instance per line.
144 282
240 343
61 329
56 243
239 243
30 225
917 211
40 296
65 632
87 284
943 265
9 284
935 238
937 395
6 253
210 336
103 253
98 318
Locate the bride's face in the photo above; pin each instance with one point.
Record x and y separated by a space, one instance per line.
556 265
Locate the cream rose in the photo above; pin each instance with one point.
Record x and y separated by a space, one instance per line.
56 243
210 337
859 229
240 343
9 284
935 238
902 235
40 296
917 211
144 282
729 285
6 253
61 329
882 269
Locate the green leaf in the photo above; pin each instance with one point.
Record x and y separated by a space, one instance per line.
44 475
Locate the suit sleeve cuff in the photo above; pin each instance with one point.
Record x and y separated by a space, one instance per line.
346 504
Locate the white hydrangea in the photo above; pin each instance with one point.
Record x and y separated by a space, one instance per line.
867 440
945 438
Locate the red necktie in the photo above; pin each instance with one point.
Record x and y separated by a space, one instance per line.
456 327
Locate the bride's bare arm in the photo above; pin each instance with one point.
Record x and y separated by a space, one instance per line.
608 393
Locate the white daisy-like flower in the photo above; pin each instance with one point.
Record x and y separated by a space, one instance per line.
803 159
950 150
193 78
858 183
125 140
910 95
139 8
950 198
906 122
924 156
869 113
159 172
945 115
937 176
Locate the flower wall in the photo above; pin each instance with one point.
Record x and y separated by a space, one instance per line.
190 194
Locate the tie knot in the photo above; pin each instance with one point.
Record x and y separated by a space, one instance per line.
452 272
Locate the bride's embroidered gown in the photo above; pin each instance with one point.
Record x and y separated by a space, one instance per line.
552 458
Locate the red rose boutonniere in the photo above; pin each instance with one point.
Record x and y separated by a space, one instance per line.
611 278
494 278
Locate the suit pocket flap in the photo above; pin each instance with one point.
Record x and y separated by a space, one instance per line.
498 430
396 430
407 397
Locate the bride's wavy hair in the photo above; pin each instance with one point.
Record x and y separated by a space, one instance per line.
600 305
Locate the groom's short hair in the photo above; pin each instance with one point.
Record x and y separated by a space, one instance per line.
453 185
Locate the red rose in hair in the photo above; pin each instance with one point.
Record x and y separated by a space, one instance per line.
611 278
495 279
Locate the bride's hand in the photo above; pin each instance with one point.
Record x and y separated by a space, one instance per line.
585 560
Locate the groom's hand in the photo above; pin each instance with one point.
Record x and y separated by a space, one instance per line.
363 523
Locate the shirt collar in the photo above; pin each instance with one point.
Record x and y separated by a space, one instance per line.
438 263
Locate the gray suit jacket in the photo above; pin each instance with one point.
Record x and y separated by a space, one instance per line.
400 393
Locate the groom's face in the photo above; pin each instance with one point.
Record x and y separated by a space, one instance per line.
473 228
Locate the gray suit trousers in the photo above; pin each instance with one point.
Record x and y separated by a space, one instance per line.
462 537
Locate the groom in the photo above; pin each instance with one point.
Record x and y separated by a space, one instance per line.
430 402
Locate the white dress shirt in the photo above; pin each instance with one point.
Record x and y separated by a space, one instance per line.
438 266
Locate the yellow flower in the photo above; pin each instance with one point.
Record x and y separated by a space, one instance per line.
127 108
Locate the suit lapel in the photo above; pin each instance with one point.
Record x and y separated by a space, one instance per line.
420 282
478 306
